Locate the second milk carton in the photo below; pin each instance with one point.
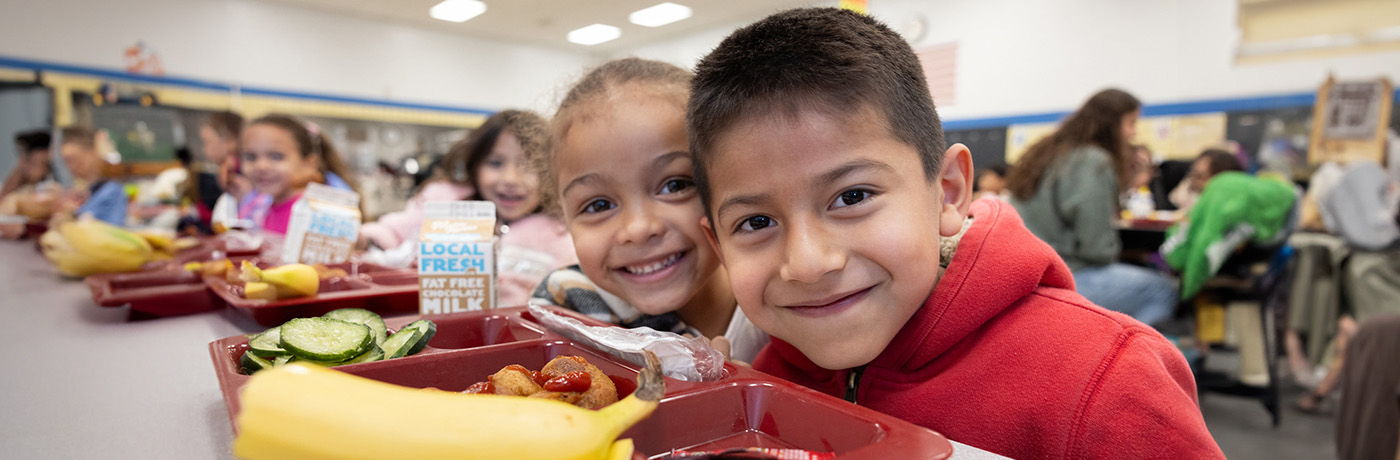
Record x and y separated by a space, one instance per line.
323 227
457 257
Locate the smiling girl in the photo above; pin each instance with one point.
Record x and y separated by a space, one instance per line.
621 171
280 155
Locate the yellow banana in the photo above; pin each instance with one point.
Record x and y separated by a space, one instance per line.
291 280
95 237
310 413
88 246
259 290
159 242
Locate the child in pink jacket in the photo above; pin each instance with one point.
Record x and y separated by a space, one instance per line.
493 165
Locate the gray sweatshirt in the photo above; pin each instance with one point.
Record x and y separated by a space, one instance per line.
1074 206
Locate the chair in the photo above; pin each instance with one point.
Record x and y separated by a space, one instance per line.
1258 274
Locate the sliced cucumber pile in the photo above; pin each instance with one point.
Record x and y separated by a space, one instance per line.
345 336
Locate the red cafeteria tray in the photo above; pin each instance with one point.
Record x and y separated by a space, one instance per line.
165 288
747 408
154 294
387 291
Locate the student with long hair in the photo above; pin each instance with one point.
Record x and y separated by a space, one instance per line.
281 154
1066 187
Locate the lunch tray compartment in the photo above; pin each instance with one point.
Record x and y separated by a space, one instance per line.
368 286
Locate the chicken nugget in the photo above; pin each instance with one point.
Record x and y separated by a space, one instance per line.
601 391
514 380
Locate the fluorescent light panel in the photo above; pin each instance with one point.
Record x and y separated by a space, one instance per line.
457 10
659 15
594 34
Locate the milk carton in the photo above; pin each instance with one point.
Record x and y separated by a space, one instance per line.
457 257
325 223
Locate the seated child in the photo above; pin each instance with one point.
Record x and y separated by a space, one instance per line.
22 194
495 158
621 174
104 198
280 155
837 213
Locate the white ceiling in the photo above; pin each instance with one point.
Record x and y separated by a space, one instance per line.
546 22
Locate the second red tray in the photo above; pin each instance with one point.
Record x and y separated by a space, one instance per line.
386 291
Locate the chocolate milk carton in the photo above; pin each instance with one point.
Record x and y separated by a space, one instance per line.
457 257
324 225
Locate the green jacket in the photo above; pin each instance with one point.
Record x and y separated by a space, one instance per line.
1074 206
1233 208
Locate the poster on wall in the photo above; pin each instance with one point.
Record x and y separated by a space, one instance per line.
1350 121
1353 110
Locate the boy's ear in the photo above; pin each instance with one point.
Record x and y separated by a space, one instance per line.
955 180
710 238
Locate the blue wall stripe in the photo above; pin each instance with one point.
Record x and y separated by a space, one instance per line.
29 64
1279 101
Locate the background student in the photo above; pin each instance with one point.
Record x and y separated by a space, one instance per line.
1067 189
280 155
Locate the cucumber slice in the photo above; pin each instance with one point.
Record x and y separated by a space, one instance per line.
400 343
268 344
427 327
281 360
374 354
251 363
325 339
365 317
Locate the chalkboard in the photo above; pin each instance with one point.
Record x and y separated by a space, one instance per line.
988 145
140 134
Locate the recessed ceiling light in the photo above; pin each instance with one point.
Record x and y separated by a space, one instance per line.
659 15
457 10
594 34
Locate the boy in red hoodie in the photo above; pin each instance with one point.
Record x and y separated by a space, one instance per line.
828 194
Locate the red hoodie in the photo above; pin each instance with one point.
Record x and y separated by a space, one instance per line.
1006 357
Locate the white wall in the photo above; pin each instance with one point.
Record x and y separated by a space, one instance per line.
1035 56
275 46
1015 57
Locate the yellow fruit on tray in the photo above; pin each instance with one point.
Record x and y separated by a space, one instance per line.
291 280
259 290
88 246
306 412
159 241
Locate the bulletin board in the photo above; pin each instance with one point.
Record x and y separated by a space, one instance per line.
1181 137
1172 137
1020 137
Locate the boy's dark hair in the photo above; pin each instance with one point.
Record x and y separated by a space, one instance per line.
831 60
30 141
1221 161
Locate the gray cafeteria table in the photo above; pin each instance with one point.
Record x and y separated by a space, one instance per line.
80 381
